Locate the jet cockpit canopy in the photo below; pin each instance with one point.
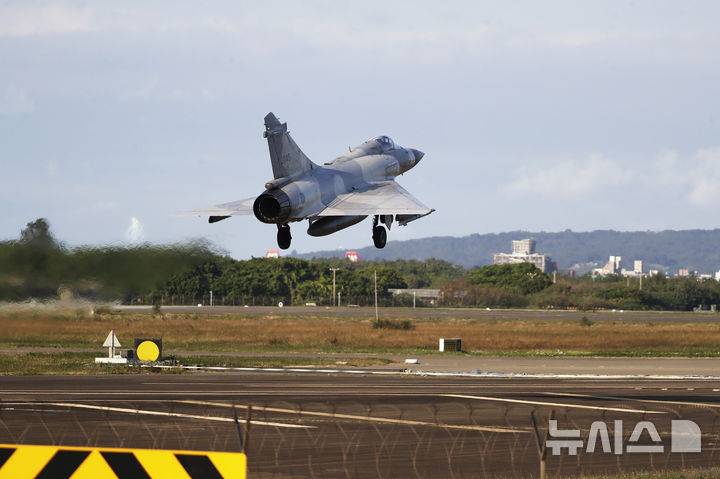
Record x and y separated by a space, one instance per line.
385 143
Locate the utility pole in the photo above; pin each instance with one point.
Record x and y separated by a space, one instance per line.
376 307
333 295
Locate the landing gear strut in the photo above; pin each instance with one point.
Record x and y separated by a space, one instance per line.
379 234
283 236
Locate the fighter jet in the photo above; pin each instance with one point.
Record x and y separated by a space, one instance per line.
334 196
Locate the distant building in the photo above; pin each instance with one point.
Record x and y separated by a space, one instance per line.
525 246
272 253
431 295
352 256
524 252
423 293
614 266
637 270
638 267
567 272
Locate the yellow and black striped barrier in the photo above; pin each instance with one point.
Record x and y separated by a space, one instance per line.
21 461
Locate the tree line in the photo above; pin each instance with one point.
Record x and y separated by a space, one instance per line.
523 285
38 266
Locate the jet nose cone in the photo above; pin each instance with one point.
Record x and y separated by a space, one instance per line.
418 154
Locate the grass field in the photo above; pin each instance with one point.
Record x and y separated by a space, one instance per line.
84 363
274 333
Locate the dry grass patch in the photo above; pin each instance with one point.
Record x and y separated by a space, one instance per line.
223 332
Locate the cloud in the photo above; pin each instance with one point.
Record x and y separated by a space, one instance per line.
693 179
570 178
163 90
15 102
26 19
698 177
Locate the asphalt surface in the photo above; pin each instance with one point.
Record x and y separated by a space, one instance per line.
458 313
330 425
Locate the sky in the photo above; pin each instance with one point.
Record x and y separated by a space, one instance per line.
538 116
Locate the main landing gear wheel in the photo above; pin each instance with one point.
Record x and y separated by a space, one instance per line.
379 233
283 236
379 236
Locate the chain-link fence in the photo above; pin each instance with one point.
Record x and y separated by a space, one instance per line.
383 437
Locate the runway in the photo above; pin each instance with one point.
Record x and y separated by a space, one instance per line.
326 425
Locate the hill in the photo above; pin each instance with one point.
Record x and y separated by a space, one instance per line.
668 250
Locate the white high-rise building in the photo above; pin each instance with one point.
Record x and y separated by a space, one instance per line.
638 266
614 265
524 252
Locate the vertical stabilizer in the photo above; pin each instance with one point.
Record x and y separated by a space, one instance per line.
286 157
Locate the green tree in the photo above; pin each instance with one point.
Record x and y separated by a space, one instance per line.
38 232
522 277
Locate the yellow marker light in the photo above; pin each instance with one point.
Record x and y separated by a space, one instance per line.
148 351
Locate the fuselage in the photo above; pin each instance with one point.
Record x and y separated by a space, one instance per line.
305 195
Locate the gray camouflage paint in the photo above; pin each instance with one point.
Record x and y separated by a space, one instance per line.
335 195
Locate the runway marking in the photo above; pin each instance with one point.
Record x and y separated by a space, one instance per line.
282 370
418 372
173 414
28 409
542 403
654 401
363 418
592 377
304 389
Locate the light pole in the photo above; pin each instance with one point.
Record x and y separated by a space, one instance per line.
333 295
376 309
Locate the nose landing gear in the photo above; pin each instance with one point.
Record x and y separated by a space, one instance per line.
379 234
283 236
